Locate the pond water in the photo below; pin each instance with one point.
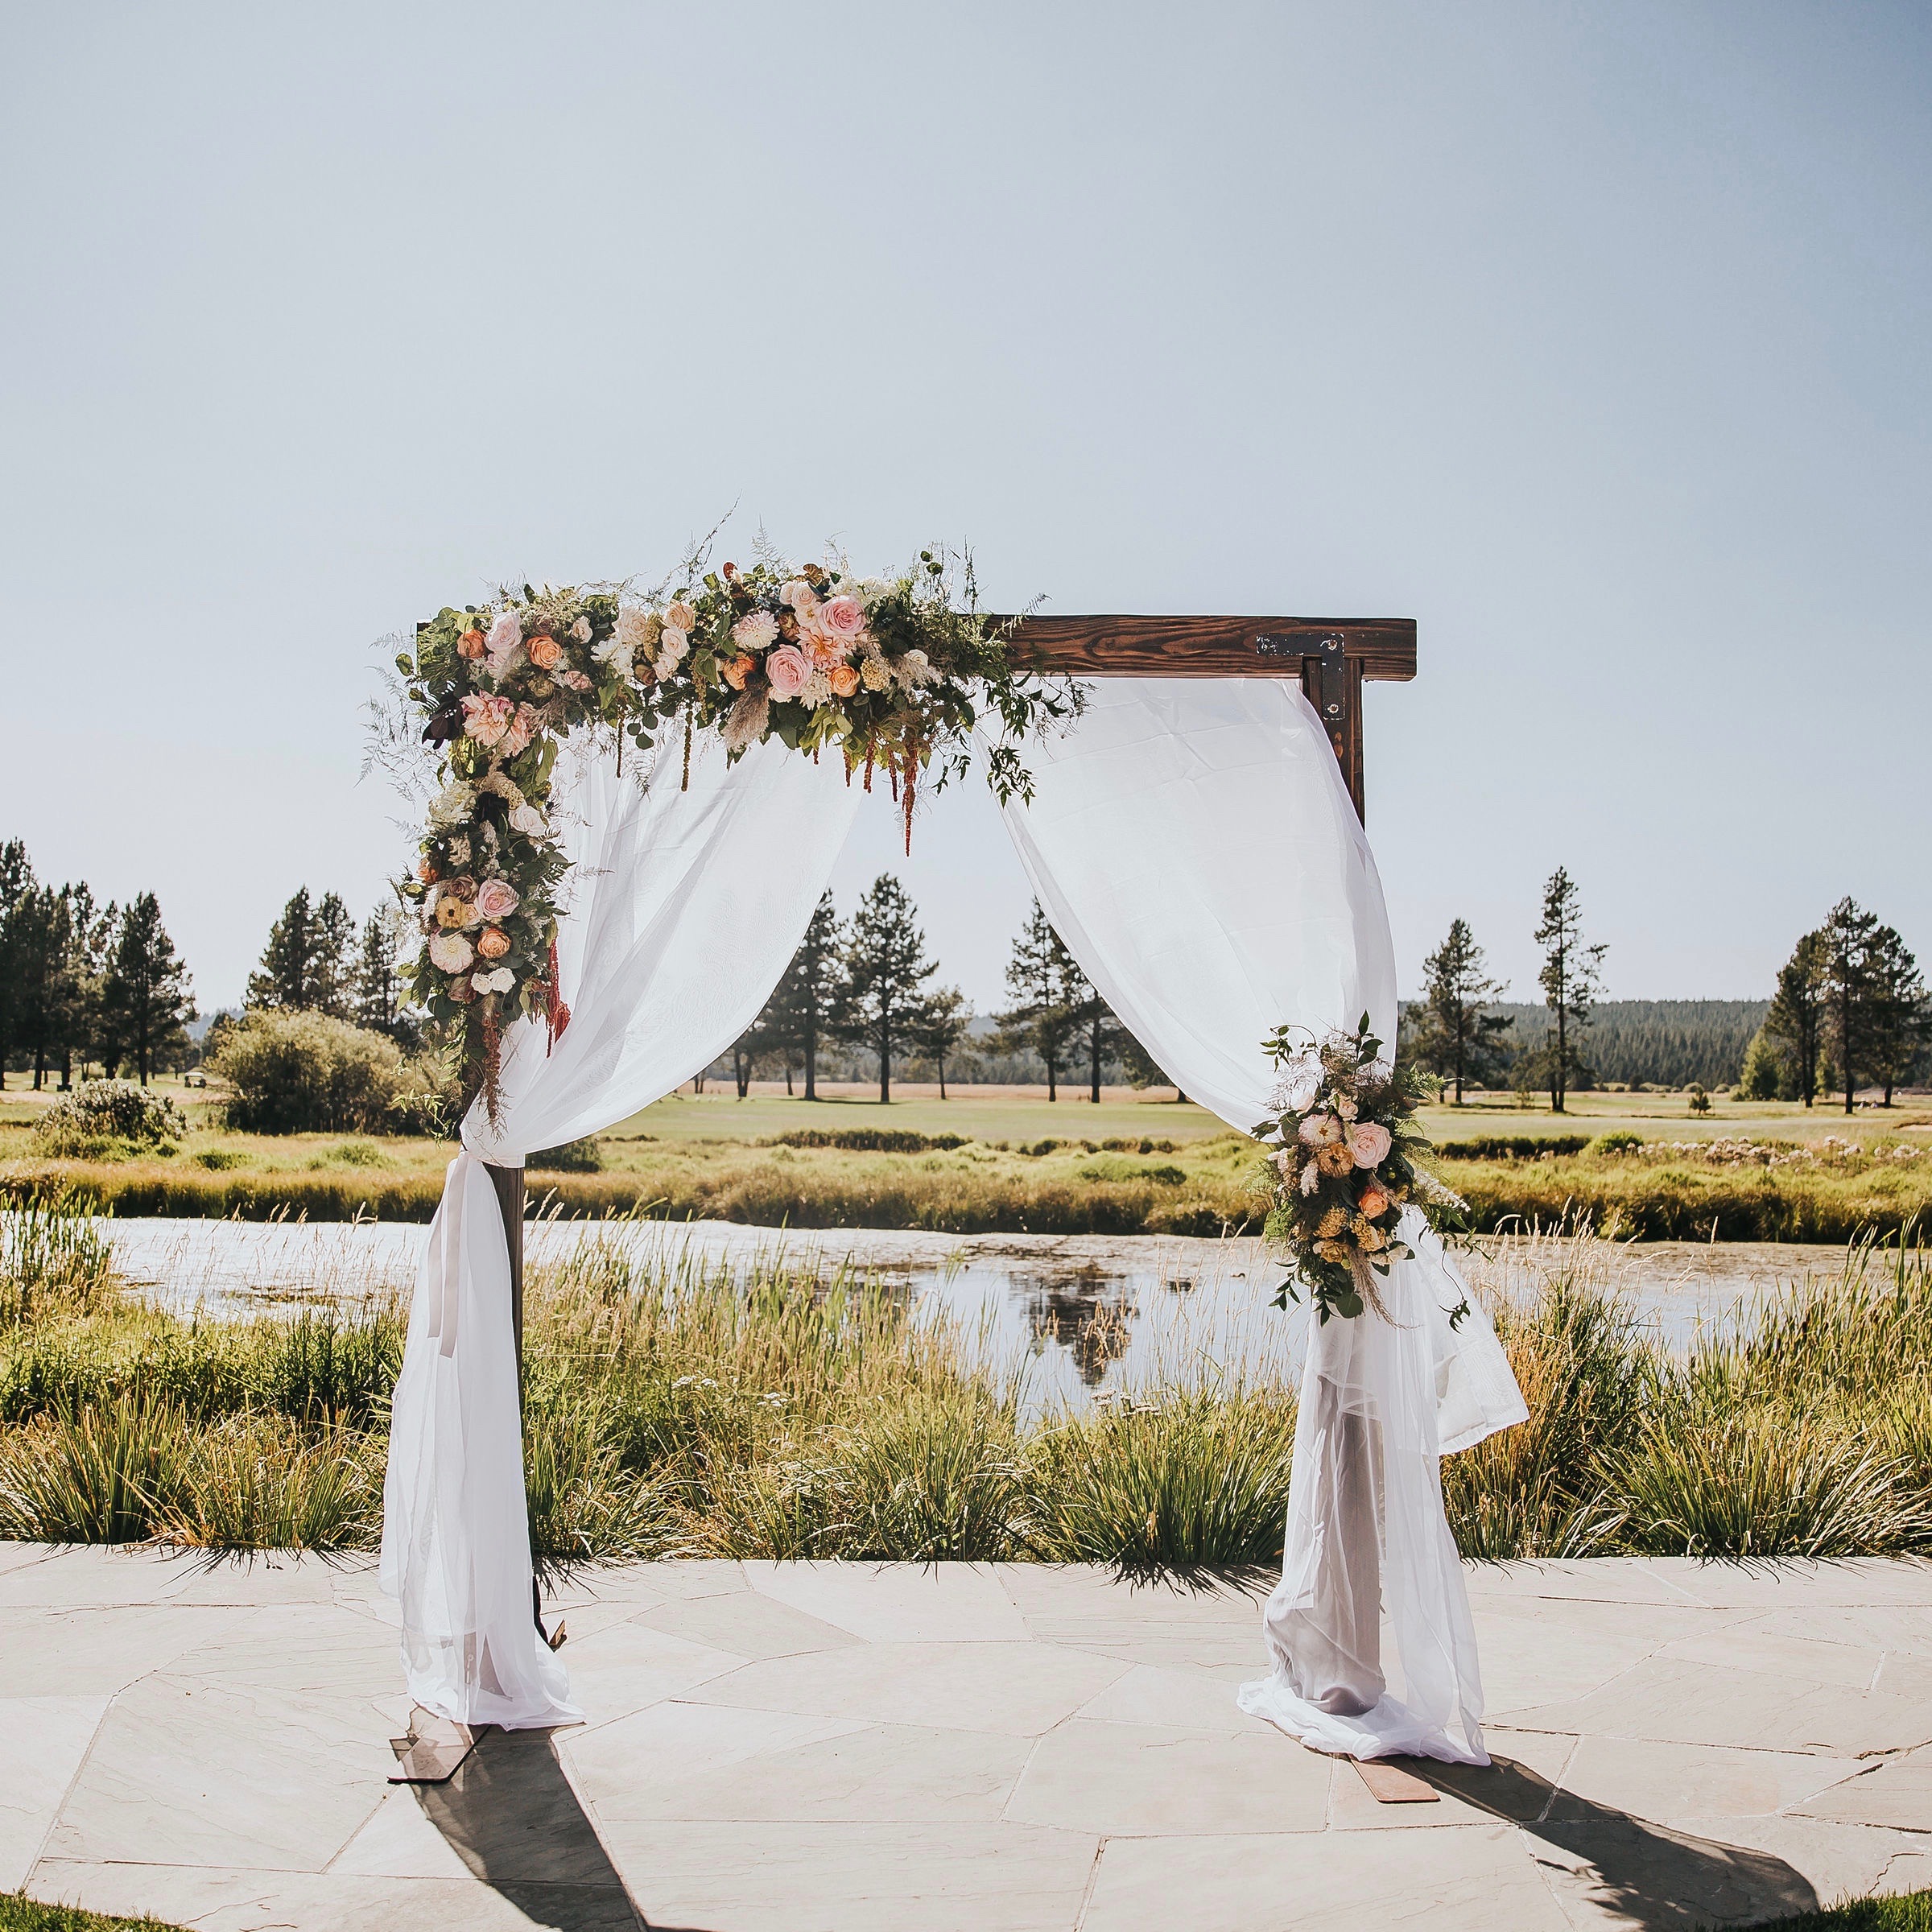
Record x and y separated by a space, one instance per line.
1078 1317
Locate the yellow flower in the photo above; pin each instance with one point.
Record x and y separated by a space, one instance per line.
1333 1222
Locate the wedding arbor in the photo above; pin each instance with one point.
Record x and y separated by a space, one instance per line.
1194 832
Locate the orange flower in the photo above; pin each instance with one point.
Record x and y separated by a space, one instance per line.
739 669
845 680
1372 1201
493 942
472 644
546 653
426 871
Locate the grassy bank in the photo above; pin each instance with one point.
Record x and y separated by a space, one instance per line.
689 1413
1727 1187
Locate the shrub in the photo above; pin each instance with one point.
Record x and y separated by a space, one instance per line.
868 1140
104 1119
305 1073
1512 1147
574 1156
1622 1140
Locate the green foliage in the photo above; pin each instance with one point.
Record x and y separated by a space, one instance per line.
109 1119
20 1913
1175 1484
305 1073
1512 1147
869 1140
1764 1076
1454 1033
574 1156
1619 1141
54 1259
1912 1912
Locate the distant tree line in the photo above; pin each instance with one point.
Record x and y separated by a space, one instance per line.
856 1002
86 985
1851 1012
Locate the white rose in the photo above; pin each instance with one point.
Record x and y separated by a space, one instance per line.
637 627
580 631
528 820
614 654
499 982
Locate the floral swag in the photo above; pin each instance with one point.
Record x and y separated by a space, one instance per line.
891 674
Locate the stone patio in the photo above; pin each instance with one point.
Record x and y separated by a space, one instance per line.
836 1747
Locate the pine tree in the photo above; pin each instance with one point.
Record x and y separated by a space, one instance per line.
149 998
798 1016
1903 1019
881 999
38 942
1868 978
306 965
1092 1026
1571 978
92 932
1037 979
1795 1022
1455 1038
17 886
944 1022
376 986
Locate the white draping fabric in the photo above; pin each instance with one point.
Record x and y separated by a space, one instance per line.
685 905
1193 844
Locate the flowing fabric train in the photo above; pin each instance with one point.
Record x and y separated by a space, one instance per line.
1192 842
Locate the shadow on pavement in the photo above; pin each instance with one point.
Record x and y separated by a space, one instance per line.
510 1815
1648 1875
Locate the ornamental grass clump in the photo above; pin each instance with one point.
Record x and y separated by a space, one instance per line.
55 1259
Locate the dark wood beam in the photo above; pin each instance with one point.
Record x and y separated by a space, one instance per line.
1108 646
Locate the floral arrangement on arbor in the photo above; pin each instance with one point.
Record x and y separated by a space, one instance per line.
889 673
1345 1162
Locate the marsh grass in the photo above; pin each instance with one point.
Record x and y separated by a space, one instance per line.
677 1408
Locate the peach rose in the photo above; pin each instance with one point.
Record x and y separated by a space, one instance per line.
493 942
797 593
1369 1141
845 680
1372 1201
843 617
497 898
788 671
426 871
826 650
738 669
679 616
471 644
545 652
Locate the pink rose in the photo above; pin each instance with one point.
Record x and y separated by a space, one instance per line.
1369 1142
486 719
843 617
505 639
788 669
497 899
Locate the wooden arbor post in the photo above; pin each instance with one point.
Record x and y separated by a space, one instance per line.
1331 655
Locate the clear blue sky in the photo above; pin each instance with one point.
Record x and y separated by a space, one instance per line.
1595 338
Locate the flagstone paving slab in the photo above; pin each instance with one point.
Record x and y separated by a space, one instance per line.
47 1738
1007 1748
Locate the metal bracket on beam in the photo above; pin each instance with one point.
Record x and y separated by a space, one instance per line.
1334 683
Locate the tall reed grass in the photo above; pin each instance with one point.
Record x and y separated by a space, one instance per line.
677 1408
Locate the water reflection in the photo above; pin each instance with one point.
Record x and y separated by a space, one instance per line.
1068 1317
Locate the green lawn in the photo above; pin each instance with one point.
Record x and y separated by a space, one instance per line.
20 1913
1911 1912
